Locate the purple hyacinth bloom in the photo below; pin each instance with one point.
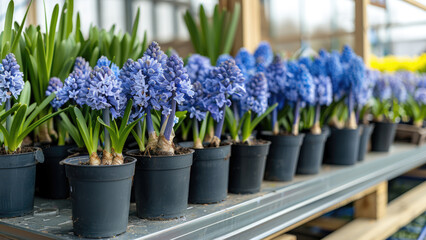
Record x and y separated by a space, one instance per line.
409 79
301 86
354 74
276 74
105 91
398 89
323 90
11 78
347 54
306 61
382 89
420 96
318 67
223 58
155 52
246 62
54 85
82 65
257 94
335 71
176 84
222 82
143 78
105 62
263 56
367 87
421 81
198 68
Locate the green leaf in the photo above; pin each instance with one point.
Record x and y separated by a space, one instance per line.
84 131
25 96
17 123
43 75
247 126
209 41
257 120
38 109
193 32
9 112
21 27
72 130
134 32
50 45
68 20
7 32
230 34
203 128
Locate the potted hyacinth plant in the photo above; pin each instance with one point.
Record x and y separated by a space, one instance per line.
299 92
51 177
347 72
18 162
389 96
249 108
363 108
158 84
210 168
101 184
415 106
312 149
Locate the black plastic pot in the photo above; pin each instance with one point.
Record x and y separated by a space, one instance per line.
282 157
52 181
366 130
341 147
209 174
161 185
17 182
311 153
100 196
247 167
383 136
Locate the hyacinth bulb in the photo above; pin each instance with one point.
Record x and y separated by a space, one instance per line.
54 85
257 94
11 78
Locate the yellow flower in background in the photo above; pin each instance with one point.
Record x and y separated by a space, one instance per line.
396 63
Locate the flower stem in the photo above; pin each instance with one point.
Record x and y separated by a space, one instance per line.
316 128
275 127
170 121
107 140
9 118
351 122
149 124
295 130
196 135
236 111
219 125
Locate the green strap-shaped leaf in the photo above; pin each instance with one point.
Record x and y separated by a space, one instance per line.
257 120
7 32
21 27
134 32
38 109
247 126
72 130
230 34
9 112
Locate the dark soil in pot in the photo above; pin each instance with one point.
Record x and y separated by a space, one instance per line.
76 151
161 184
17 182
341 147
311 153
51 179
282 157
366 131
100 196
247 167
383 136
209 174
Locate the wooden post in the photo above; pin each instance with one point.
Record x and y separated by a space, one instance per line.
362 46
374 204
32 14
248 33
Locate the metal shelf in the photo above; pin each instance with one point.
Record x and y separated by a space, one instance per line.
255 216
